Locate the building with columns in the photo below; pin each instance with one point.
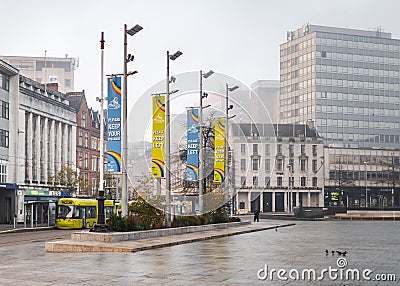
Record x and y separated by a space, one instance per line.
272 163
42 140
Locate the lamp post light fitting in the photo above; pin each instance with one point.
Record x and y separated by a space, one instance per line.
134 30
175 55
201 159
124 157
227 108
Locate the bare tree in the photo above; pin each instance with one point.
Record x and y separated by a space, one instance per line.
66 179
191 187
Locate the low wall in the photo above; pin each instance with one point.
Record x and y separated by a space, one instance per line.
369 215
133 235
374 213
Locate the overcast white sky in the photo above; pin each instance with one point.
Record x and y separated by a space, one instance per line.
239 38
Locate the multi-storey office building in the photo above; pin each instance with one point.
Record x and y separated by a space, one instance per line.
270 162
346 82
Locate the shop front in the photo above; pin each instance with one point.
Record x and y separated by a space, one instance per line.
38 207
361 197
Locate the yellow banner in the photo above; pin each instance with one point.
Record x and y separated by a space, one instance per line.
219 150
158 137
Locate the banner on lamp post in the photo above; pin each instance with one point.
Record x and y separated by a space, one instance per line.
192 155
219 150
114 125
158 137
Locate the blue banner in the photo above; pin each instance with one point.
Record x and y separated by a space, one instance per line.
192 158
114 125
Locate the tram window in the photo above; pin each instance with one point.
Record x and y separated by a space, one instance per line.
109 211
90 212
64 212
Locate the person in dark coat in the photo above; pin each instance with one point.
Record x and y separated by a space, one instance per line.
257 215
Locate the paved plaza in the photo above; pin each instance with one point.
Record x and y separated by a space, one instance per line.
232 260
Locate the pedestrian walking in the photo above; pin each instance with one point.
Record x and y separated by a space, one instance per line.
256 215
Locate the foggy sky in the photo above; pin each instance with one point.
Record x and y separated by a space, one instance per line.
239 38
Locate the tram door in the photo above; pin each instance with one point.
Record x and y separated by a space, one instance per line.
83 216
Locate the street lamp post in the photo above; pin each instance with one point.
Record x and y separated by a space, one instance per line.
227 108
366 188
101 225
168 141
201 159
124 158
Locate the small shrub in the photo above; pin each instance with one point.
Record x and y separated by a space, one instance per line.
204 219
149 216
132 222
186 221
117 223
219 215
234 219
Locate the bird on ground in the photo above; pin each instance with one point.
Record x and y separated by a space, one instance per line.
342 253
276 229
326 251
333 252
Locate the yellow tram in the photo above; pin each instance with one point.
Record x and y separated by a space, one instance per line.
80 213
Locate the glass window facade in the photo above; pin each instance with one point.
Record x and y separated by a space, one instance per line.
4 138
4 81
4 110
347 82
255 163
242 164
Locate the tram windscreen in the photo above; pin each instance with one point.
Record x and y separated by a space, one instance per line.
67 212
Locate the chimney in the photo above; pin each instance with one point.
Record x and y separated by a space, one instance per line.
53 86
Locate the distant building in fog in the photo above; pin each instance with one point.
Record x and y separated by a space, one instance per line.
265 101
47 70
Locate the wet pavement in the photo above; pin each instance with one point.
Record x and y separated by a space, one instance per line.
232 260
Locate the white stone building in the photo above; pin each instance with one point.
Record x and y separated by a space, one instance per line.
267 157
42 139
